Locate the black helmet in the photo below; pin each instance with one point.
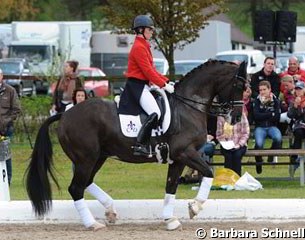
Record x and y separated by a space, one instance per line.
142 21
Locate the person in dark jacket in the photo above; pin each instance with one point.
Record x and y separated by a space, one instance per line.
9 111
266 115
266 74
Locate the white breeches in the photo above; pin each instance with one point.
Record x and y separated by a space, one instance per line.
148 102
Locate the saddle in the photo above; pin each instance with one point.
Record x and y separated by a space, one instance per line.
131 124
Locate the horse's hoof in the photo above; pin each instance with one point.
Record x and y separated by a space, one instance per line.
194 208
111 216
97 226
173 224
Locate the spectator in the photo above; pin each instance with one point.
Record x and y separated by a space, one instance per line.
65 87
286 98
294 70
79 95
266 115
296 112
238 135
267 73
9 110
247 102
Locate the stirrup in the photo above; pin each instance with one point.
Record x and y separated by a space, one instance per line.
141 150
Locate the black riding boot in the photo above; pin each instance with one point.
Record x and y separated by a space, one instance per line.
140 149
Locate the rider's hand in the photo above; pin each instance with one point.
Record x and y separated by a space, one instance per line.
169 88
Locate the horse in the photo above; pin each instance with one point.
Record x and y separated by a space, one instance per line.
97 119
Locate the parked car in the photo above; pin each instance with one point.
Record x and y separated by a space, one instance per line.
98 88
18 67
182 67
94 88
254 58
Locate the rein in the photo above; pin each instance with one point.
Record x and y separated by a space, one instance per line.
223 106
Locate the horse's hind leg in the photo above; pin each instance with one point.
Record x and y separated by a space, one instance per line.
173 174
101 195
82 175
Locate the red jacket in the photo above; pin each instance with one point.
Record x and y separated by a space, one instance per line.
140 64
298 72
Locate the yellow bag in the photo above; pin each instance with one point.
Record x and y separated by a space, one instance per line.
224 176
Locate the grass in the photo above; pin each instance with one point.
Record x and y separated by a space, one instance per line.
145 181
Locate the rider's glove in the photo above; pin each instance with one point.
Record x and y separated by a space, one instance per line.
169 88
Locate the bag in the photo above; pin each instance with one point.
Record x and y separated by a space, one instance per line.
225 177
247 182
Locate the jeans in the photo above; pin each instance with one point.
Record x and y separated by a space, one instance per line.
299 135
9 133
207 150
233 158
261 133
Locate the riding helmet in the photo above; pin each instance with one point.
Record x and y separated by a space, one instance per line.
142 21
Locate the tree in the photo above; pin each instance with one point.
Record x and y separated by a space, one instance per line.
14 10
178 22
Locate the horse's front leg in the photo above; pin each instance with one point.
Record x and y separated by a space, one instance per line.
192 159
173 174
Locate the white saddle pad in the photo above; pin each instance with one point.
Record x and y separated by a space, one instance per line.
131 125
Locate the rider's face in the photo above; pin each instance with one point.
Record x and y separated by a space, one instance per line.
148 32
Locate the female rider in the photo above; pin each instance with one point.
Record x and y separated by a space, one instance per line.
141 73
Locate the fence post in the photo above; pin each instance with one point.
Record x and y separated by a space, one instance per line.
5 154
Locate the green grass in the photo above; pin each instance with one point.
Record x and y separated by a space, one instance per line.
145 181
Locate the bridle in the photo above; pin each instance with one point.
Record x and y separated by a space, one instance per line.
225 107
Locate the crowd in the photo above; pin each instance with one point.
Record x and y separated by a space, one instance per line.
274 104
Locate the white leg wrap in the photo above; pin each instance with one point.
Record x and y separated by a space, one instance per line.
204 189
100 195
84 212
168 206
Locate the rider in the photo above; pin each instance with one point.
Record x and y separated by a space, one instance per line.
141 73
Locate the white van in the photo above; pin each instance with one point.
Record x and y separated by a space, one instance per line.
161 65
254 58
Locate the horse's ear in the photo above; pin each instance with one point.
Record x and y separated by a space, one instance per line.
242 70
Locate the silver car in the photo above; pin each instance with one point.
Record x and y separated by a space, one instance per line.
18 67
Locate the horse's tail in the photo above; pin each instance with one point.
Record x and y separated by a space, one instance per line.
40 167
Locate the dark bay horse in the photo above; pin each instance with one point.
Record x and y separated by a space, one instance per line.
89 133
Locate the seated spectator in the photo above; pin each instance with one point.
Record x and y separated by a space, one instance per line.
266 115
237 135
286 98
247 102
79 95
296 112
294 70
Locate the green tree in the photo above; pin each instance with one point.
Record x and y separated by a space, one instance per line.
16 10
178 22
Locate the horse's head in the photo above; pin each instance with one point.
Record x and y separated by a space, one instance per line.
233 94
214 78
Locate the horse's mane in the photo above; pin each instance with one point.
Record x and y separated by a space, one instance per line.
203 66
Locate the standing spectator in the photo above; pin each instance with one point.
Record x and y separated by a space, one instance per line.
266 115
294 70
267 73
239 134
9 110
65 87
296 112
